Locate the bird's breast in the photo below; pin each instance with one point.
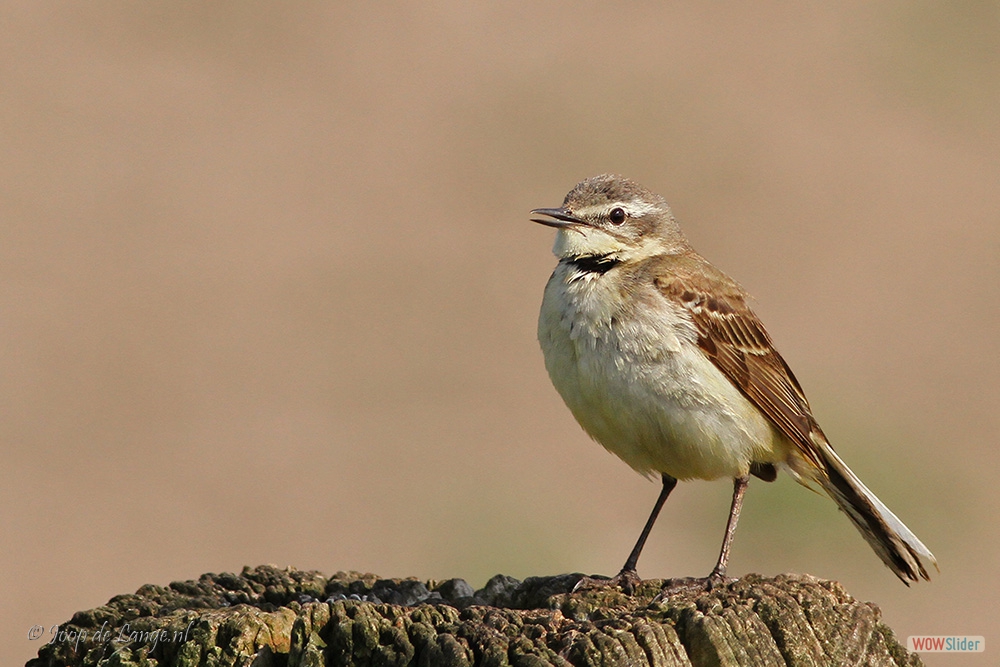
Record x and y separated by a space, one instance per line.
625 361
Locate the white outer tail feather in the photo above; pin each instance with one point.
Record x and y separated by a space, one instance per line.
894 543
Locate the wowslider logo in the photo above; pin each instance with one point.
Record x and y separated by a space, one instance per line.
945 644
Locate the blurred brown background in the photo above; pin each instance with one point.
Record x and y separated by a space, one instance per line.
269 287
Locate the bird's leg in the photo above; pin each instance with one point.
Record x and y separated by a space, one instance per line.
718 575
628 578
633 558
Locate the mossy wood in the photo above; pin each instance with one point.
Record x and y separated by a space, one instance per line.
266 617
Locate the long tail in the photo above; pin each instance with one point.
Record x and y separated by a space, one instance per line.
894 543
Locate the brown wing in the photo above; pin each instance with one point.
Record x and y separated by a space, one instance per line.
732 336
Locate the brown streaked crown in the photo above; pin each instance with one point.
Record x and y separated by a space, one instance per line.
610 188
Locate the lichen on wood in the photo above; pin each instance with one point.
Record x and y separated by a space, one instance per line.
267 617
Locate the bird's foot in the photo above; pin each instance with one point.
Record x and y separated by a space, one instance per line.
626 580
693 585
717 578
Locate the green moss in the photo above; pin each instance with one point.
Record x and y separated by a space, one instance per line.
794 620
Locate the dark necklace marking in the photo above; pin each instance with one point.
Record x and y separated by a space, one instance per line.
599 264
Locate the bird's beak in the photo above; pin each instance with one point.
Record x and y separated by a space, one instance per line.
561 218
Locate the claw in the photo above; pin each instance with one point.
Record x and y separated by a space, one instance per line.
626 580
692 585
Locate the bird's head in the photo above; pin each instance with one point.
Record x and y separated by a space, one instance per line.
611 216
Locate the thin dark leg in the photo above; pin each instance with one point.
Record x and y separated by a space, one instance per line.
627 580
739 487
633 558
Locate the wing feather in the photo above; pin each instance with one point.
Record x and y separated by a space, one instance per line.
735 340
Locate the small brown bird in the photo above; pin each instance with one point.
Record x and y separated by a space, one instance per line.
661 360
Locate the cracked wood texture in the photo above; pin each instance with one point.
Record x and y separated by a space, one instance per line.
269 617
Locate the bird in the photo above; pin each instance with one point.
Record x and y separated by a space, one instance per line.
661 360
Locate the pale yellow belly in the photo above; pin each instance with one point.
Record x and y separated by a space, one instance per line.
655 400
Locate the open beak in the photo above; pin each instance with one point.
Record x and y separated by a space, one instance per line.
560 218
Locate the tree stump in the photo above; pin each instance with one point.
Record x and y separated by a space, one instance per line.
269 617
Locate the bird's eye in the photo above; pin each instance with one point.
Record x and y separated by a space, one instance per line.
617 216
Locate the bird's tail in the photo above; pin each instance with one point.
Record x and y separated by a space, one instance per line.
894 543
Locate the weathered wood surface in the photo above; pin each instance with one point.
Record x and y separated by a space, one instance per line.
266 616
